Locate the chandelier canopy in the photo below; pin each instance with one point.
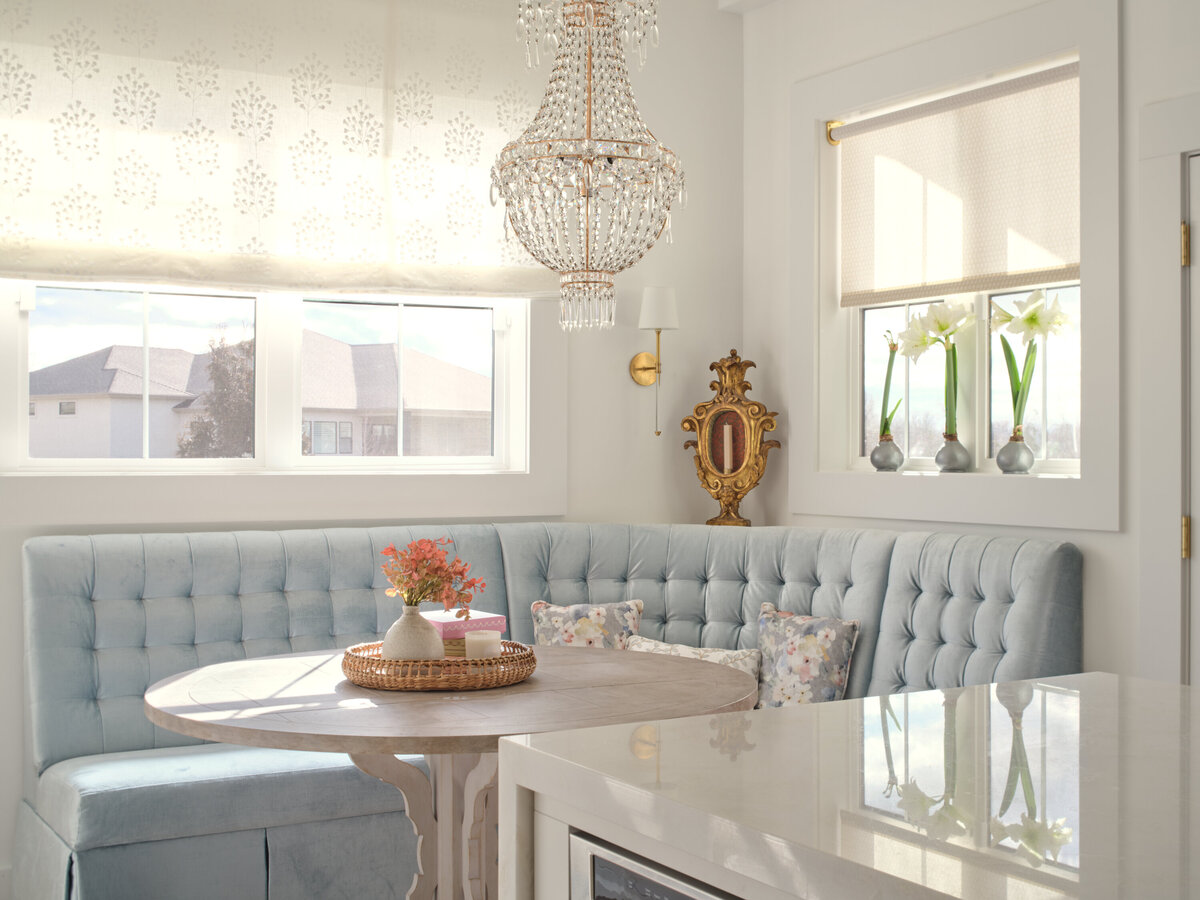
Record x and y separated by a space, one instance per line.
588 187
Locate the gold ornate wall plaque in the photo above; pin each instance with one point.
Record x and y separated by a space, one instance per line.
731 454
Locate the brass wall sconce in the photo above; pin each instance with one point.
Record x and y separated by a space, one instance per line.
658 315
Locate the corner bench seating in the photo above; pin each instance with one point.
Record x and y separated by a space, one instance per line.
119 808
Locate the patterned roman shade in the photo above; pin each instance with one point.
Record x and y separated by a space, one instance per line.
267 143
974 191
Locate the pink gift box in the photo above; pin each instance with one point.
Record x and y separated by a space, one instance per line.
450 627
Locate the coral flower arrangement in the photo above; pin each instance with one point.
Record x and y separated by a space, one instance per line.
422 574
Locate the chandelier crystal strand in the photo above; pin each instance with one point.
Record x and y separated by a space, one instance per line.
587 187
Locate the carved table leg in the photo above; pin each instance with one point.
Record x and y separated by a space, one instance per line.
418 806
479 850
453 810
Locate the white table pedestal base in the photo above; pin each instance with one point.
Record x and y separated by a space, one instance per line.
453 810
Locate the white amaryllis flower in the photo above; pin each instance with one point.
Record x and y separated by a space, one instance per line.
944 320
1000 317
937 326
915 804
1034 318
1037 839
915 340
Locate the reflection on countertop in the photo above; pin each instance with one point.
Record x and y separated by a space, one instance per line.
1076 786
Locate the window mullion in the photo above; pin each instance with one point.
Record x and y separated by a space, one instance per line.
907 400
400 313
1045 367
145 375
278 335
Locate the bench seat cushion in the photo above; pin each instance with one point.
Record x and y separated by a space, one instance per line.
149 795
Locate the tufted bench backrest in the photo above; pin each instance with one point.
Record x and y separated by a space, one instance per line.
969 609
702 586
107 616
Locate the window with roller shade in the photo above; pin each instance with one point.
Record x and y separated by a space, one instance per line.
968 198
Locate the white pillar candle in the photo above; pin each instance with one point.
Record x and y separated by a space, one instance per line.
728 448
483 644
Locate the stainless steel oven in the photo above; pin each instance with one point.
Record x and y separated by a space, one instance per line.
600 871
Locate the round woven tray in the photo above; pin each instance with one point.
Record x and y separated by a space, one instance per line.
362 665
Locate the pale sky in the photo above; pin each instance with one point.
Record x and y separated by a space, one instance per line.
72 322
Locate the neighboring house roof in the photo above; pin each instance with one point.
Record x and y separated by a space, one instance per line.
432 383
117 371
334 375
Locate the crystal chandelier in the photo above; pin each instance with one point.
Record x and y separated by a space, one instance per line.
588 187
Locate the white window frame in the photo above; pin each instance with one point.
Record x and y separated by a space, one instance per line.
195 497
823 479
23 462
277 406
975 366
511 337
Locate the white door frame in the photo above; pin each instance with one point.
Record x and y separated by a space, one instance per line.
1152 317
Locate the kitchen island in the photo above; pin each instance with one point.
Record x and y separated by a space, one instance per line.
1074 786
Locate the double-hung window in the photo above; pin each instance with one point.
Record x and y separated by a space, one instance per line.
931 231
969 199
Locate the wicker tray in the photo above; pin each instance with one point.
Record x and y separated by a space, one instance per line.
362 665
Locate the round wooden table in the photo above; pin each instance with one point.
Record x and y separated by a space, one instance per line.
302 701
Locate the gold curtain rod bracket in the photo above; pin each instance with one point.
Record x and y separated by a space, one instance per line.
829 126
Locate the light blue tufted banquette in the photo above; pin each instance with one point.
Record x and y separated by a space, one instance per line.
122 809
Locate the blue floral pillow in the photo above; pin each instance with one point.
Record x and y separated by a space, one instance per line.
586 625
805 659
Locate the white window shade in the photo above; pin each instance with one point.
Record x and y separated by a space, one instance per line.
278 143
977 191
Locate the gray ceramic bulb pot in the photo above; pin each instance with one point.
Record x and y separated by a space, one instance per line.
1015 457
886 457
953 457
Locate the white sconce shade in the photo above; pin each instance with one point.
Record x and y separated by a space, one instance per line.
659 312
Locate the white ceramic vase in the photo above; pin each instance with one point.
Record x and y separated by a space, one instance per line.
412 636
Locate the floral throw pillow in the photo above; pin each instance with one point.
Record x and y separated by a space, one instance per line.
606 625
745 660
805 659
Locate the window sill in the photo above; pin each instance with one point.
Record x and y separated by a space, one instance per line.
87 501
987 498
926 466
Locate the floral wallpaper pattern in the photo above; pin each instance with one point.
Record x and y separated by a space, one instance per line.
356 132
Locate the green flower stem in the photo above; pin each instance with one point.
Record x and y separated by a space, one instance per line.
951 388
1019 383
885 420
950 746
1026 383
1019 773
885 708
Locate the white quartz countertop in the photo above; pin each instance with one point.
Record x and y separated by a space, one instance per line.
1077 786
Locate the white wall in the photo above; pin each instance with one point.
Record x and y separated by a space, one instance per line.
786 42
690 94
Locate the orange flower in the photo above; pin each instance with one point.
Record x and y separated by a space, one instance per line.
421 573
